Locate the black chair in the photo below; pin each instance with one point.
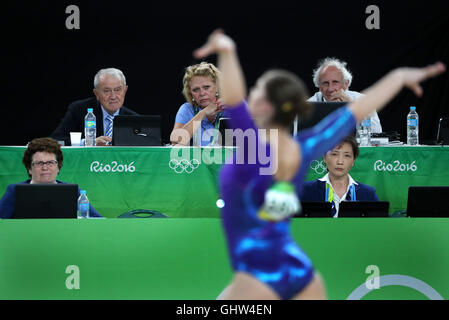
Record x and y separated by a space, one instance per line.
142 213
443 131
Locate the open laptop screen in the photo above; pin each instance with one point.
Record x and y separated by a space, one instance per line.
46 201
134 130
368 209
315 209
428 201
443 131
320 111
225 128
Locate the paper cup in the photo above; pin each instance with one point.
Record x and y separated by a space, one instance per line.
75 138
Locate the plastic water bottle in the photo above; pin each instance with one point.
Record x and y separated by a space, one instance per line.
365 132
83 205
412 127
90 128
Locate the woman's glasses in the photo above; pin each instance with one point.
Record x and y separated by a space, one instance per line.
50 163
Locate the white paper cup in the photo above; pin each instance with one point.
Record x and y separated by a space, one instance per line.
75 138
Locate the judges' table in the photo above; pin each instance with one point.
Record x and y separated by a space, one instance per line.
179 182
182 182
391 170
187 258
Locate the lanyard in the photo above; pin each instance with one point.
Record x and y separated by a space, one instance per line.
352 192
329 197
329 193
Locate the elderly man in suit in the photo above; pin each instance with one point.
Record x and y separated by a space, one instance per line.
109 90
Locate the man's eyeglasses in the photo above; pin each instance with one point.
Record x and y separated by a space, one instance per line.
50 163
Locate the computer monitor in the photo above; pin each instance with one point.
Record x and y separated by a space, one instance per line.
364 209
133 130
46 201
320 111
224 128
428 201
315 209
443 131
226 131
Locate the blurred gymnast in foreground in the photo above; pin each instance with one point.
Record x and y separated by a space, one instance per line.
258 203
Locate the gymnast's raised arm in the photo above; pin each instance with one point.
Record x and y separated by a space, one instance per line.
232 81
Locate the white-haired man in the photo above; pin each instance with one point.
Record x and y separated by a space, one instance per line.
110 91
333 79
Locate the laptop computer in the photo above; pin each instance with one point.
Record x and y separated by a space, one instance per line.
133 130
320 111
428 201
315 209
443 131
366 209
46 201
227 138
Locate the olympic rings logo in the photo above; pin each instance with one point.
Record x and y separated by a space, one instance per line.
184 165
318 167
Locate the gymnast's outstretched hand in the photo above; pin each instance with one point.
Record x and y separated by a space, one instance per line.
379 94
413 76
217 42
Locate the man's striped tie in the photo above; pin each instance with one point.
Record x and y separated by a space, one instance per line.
109 125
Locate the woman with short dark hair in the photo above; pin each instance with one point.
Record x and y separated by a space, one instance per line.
43 160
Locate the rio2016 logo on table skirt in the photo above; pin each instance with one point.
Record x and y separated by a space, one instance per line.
114 166
319 167
380 165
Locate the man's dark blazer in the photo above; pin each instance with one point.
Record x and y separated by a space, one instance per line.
316 191
73 120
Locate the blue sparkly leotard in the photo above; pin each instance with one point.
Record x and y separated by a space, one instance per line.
265 249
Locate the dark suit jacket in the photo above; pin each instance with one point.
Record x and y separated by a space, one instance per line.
73 120
316 191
